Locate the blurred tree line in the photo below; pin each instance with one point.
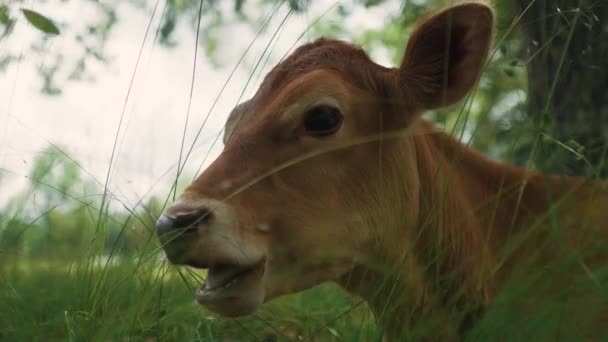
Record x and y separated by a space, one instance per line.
58 216
542 100
548 76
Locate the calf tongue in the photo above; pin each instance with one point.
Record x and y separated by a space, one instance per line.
221 275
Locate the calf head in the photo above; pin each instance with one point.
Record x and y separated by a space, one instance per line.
316 177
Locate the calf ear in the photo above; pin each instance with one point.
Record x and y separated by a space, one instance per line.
445 54
239 116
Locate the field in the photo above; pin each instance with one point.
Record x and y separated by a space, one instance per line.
45 300
64 277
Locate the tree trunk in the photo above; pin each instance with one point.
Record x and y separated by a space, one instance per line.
566 44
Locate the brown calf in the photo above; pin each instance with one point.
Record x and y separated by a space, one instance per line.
330 174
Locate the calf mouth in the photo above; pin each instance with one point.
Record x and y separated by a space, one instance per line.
232 289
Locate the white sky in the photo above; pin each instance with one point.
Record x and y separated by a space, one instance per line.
84 118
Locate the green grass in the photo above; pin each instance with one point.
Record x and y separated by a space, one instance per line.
54 300
77 298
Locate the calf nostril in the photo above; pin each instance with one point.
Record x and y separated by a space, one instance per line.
164 225
182 220
188 220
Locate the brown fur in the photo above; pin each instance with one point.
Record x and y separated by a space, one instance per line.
421 226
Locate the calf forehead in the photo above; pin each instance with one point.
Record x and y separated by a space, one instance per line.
350 61
322 53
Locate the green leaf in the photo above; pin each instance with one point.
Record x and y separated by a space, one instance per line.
6 21
40 22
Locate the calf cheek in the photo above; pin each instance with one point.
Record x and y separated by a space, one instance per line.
315 239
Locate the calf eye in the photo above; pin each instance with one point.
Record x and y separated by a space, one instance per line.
322 120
